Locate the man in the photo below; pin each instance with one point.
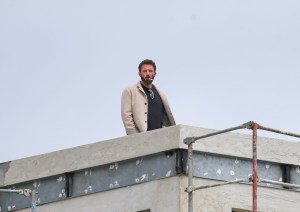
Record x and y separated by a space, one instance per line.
143 106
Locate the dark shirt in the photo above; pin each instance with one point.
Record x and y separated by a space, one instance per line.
155 109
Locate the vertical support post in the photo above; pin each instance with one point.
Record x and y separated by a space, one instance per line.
190 175
33 201
254 165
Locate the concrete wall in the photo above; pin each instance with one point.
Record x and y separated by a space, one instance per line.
105 152
161 194
90 155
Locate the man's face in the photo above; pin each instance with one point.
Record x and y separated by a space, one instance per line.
147 74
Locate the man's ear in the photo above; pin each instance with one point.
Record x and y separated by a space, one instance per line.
139 74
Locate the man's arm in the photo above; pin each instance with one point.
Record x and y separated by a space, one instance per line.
126 112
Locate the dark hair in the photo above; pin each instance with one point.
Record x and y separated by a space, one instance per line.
147 62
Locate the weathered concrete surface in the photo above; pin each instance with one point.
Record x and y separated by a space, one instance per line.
239 196
90 155
240 145
137 145
3 170
162 195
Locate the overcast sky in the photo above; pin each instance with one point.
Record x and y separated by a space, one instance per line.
65 63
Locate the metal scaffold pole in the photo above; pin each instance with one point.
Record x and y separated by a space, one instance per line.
288 185
254 177
278 131
254 166
33 201
189 141
190 176
25 192
221 184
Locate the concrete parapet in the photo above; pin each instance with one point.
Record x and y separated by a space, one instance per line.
150 157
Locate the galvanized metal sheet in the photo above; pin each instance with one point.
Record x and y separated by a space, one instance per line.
92 180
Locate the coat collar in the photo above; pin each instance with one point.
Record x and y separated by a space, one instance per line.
139 85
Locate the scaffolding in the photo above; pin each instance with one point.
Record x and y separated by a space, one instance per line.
25 192
251 178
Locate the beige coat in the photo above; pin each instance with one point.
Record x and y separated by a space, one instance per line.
134 109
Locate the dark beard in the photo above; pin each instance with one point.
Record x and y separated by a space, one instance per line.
147 80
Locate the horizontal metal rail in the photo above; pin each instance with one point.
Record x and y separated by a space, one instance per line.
25 192
221 184
278 131
247 125
11 191
289 185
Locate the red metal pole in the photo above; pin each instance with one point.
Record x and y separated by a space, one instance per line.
254 164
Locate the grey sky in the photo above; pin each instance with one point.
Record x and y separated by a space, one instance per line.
64 64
